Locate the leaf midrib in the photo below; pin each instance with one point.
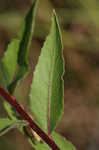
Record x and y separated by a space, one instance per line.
49 90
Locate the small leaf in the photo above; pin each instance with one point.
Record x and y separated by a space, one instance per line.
16 56
59 140
26 35
9 61
46 95
11 111
62 142
6 125
25 39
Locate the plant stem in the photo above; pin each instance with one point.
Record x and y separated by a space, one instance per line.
12 100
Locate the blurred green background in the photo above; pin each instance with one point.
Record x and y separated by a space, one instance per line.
79 21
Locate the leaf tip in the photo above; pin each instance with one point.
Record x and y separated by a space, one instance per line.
35 3
55 21
54 16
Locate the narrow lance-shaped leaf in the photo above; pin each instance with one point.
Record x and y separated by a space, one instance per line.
11 111
46 95
59 140
9 62
14 59
16 56
25 36
7 125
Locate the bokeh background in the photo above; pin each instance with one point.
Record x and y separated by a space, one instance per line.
79 21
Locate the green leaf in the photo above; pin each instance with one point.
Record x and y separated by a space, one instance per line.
26 37
59 140
16 56
46 95
11 111
9 61
6 125
62 142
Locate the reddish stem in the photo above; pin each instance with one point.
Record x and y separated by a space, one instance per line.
25 116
